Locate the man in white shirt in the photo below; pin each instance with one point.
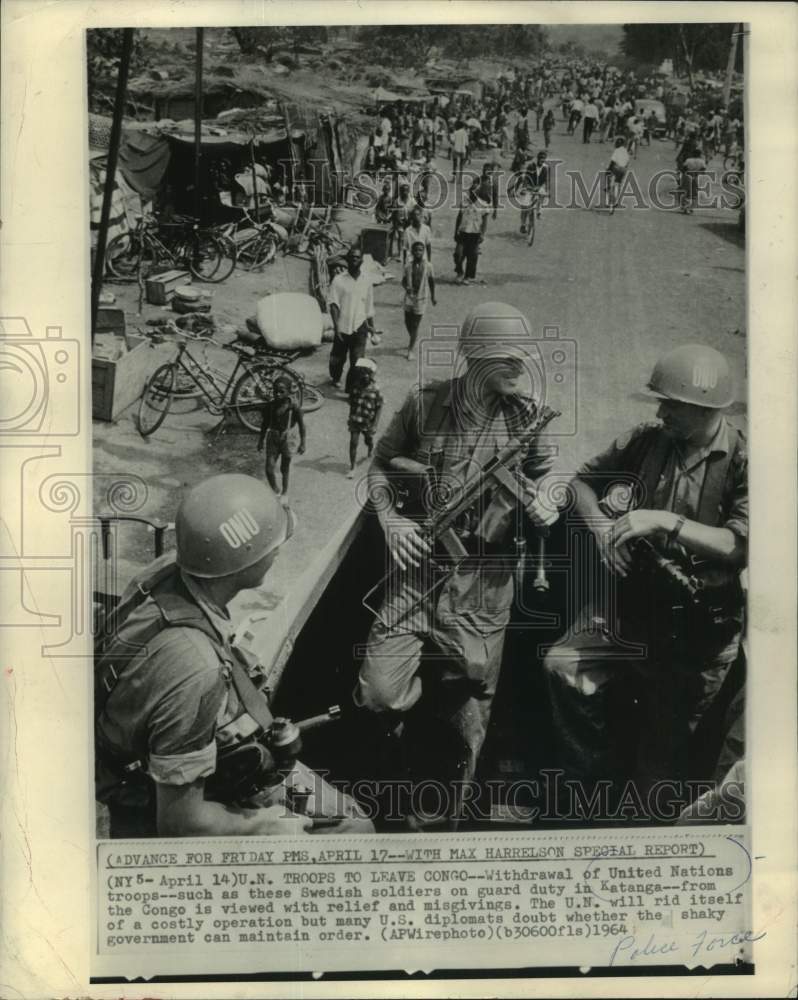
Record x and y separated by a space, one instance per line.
351 304
616 168
469 231
459 149
591 117
577 107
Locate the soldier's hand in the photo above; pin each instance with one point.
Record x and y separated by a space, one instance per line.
641 524
406 542
278 821
541 515
616 558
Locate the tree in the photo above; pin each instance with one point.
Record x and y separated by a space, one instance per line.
103 55
411 45
692 47
266 41
403 44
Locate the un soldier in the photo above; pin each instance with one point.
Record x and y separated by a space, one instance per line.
667 505
452 428
174 699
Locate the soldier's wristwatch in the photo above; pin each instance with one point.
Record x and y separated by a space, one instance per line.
673 534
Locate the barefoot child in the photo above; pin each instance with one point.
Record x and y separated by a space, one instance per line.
282 422
365 404
418 282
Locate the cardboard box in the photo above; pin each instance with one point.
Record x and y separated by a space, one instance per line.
115 384
160 287
110 320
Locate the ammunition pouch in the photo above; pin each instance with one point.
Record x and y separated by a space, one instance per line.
242 771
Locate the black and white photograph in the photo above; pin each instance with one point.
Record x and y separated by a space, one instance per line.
408 583
449 321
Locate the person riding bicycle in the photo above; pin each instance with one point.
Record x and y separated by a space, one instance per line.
634 133
548 125
526 185
691 163
618 165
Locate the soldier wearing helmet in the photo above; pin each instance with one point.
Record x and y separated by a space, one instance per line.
172 693
451 427
666 498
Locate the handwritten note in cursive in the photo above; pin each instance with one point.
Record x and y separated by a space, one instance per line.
630 948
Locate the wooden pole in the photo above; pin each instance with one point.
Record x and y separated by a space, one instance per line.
198 118
110 175
254 178
291 165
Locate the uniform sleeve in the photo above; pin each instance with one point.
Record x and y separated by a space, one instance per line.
401 435
737 521
538 459
182 721
611 459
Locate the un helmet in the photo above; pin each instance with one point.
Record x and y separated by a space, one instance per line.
694 373
228 523
495 330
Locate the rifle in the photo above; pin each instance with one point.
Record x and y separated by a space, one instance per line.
677 609
500 472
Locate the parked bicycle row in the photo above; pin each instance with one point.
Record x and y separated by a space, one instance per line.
211 253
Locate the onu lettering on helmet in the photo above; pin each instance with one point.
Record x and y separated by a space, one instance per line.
705 376
239 529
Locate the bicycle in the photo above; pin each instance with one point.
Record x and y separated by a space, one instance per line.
245 393
531 213
151 244
612 188
254 246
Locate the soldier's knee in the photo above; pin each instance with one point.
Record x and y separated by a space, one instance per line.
561 662
380 693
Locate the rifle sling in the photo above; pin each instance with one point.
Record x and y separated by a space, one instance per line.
250 697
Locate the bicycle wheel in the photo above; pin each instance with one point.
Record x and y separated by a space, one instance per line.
204 256
230 251
122 257
156 400
312 399
256 387
262 253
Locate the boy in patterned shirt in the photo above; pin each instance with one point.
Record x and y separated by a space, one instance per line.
365 405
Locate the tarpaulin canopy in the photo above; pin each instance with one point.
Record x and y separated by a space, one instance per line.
143 154
143 160
125 202
235 138
383 96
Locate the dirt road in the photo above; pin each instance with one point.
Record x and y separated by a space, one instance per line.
606 294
